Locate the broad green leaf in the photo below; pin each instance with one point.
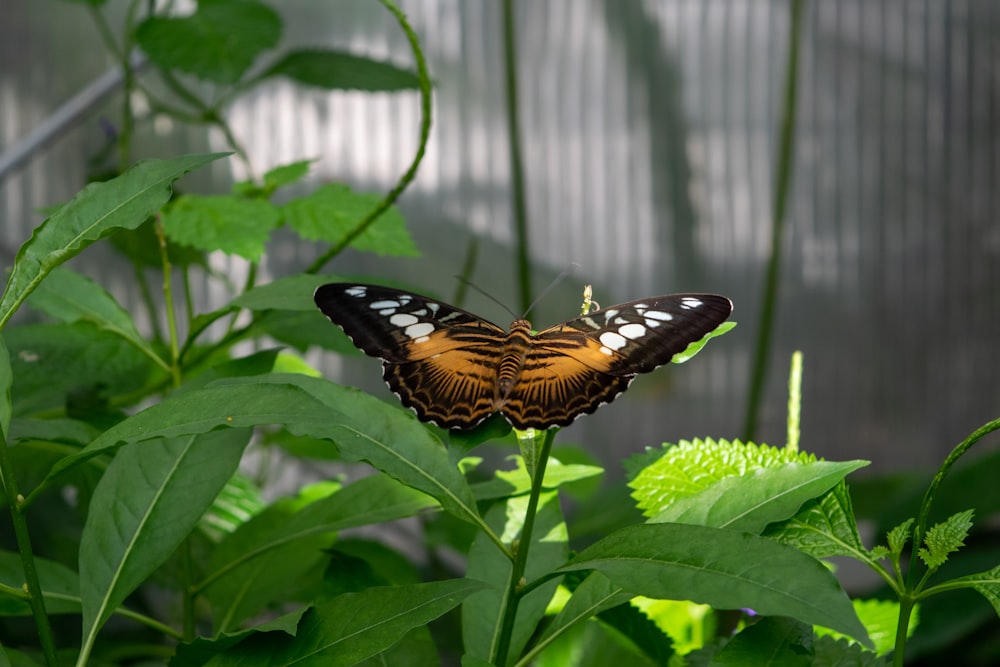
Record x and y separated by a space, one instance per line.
514 482
752 501
96 211
548 549
56 363
337 70
290 293
6 380
150 498
691 467
723 568
880 618
258 363
60 586
770 641
361 426
823 527
945 538
218 43
70 296
203 649
256 559
333 211
986 583
54 430
229 224
351 627
595 594
286 174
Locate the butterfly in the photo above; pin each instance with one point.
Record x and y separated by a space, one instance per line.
455 369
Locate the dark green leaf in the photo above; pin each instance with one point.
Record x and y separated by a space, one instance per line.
60 586
344 71
823 527
233 225
142 246
219 42
352 627
723 568
6 381
99 209
150 498
70 296
770 642
334 211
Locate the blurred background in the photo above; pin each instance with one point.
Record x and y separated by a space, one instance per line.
650 134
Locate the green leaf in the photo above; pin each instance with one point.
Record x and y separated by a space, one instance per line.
233 225
337 70
52 362
986 583
723 568
351 627
60 586
595 594
333 211
219 42
691 467
880 618
514 482
96 211
752 501
70 296
831 652
267 554
203 649
141 246
770 641
899 536
238 501
289 293
944 538
362 427
549 548
149 499
694 347
286 174
823 527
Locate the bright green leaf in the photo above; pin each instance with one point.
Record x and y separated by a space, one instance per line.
695 347
899 536
880 618
517 481
219 42
233 225
823 527
333 211
944 538
723 568
286 174
336 70
99 209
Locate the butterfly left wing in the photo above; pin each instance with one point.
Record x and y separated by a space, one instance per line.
575 367
438 359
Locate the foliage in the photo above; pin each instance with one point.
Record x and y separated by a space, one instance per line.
121 450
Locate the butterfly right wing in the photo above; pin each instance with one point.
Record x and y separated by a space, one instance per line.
439 360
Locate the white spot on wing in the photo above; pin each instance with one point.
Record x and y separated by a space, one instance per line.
632 331
658 315
433 306
419 330
357 292
382 305
612 340
690 302
403 319
608 314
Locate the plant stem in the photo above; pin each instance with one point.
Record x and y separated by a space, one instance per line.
513 595
34 588
762 353
905 610
425 132
516 162
175 370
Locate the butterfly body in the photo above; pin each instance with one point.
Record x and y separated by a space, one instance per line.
455 369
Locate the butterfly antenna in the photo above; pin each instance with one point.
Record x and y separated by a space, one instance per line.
466 281
555 281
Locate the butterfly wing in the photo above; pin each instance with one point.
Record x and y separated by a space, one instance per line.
575 367
439 360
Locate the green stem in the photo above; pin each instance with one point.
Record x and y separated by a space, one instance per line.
516 162
175 369
425 132
32 585
784 178
903 622
513 595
